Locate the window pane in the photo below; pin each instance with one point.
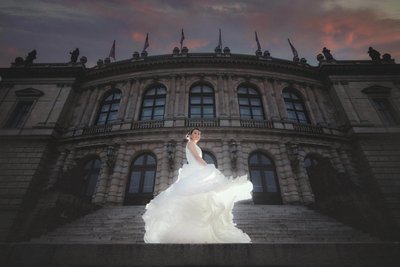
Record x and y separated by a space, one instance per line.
209 110
102 118
109 98
255 177
242 90
148 102
160 101
113 116
135 181
105 108
151 92
147 112
207 89
159 111
252 91
292 115
196 89
208 100
243 101
298 106
148 182
253 160
244 111
265 161
195 100
255 102
195 110
91 185
139 161
301 116
289 105
97 164
161 91
115 107
150 160
294 96
270 181
257 112
117 96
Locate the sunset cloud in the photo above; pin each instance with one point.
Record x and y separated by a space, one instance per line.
54 28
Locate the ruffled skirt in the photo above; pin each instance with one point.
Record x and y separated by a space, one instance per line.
197 208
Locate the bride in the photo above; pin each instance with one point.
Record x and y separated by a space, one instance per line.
197 208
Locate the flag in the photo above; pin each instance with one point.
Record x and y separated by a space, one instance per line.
182 38
219 40
146 42
112 51
295 54
258 43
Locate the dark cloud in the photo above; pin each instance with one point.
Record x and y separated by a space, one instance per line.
56 27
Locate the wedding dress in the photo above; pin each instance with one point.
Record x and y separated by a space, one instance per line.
197 208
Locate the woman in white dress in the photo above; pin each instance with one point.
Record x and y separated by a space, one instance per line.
197 208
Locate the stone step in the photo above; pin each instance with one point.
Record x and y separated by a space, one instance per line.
138 255
263 223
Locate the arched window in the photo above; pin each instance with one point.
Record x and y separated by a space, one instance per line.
322 176
295 107
263 176
140 186
209 158
201 102
153 104
250 104
90 175
109 107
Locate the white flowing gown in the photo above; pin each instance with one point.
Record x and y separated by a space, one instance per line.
197 208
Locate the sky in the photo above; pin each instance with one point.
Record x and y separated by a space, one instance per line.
56 27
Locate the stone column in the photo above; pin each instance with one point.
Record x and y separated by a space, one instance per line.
69 161
348 165
56 171
117 185
304 182
183 103
161 182
124 102
338 165
226 159
264 98
280 103
234 102
314 110
226 96
290 192
84 99
271 101
219 94
93 106
319 100
103 179
133 96
138 103
171 97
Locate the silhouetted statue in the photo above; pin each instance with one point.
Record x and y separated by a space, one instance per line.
327 54
31 56
375 55
74 55
387 58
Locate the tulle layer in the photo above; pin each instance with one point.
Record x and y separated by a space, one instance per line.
197 208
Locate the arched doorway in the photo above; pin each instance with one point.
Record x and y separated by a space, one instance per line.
140 186
263 176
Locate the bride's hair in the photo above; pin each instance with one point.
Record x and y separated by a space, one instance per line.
190 132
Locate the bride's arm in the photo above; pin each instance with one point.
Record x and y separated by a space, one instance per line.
193 150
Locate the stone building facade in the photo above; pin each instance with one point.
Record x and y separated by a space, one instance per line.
114 134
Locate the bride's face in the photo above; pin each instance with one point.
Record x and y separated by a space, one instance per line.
196 135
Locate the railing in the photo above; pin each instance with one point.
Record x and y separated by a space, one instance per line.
257 124
211 122
97 129
308 128
150 124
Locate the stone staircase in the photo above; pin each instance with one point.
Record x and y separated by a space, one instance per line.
285 236
263 223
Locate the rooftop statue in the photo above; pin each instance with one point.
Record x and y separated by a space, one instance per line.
74 55
327 54
375 55
31 56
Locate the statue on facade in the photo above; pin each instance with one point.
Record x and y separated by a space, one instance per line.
327 54
375 55
31 56
74 55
